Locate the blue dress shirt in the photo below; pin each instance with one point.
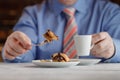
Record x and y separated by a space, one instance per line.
92 16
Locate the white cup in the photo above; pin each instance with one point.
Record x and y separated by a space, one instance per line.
83 44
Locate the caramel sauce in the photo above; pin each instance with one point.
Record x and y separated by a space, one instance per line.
59 58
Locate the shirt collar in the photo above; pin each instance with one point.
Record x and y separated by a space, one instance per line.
81 6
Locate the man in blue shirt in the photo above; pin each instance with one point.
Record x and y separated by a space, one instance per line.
100 18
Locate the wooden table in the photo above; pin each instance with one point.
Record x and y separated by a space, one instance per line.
28 71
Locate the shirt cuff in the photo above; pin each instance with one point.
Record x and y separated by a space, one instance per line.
116 56
16 60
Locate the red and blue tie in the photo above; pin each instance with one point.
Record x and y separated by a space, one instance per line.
70 31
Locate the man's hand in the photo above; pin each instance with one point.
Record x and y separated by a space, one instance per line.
16 44
103 45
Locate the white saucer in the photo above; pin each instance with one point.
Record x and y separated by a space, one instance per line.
88 61
55 64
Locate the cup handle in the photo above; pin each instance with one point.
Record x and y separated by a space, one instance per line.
92 46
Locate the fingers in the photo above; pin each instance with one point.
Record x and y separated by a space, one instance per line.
23 40
100 46
103 45
104 54
10 53
98 37
16 47
16 44
8 56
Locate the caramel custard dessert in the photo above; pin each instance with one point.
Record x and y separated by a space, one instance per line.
50 36
57 57
60 57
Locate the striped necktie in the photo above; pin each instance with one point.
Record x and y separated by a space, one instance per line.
70 31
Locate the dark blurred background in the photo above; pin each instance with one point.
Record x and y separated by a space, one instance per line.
10 11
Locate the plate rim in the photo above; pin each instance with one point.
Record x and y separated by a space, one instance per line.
55 64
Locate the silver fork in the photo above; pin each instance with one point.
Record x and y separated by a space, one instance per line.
41 44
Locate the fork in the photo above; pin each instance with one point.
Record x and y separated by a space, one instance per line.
41 44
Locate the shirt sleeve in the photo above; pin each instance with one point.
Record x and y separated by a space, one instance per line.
116 56
27 25
112 26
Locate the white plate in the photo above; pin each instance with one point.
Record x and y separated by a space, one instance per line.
56 64
88 61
